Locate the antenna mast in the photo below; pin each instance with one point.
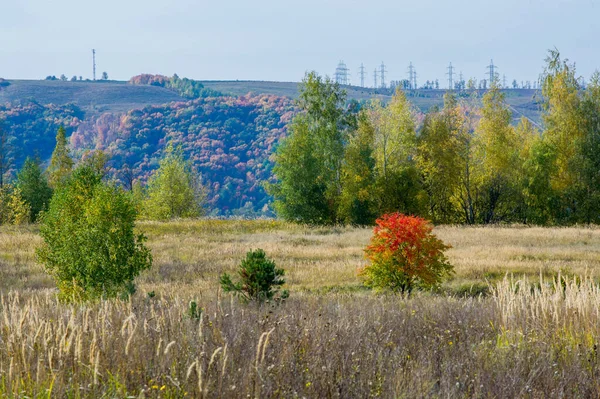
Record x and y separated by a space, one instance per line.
94 62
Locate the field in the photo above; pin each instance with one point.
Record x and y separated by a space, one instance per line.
116 96
514 321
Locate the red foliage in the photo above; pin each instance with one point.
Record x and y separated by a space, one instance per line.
404 252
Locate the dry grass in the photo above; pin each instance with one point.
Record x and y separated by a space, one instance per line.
332 338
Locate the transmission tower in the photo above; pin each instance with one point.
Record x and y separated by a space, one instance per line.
412 77
375 72
492 71
504 81
362 75
382 71
94 62
341 73
450 74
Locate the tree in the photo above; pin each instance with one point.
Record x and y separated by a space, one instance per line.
34 187
174 190
61 163
259 281
104 76
397 183
5 155
357 203
405 254
13 208
308 162
440 162
496 148
90 248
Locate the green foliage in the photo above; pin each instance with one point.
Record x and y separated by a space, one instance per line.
404 255
309 160
184 87
34 188
61 163
259 281
13 207
90 248
174 190
357 205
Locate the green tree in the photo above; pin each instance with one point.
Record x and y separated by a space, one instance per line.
174 190
398 187
357 203
259 281
13 208
496 147
34 187
5 155
61 163
439 160
309 161
90 248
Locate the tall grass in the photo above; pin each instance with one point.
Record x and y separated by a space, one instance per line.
531 337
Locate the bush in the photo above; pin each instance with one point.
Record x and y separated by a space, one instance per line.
260 279
90 248
405 254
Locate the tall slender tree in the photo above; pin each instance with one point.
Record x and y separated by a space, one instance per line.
61 163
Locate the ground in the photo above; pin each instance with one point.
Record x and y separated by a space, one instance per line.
481 335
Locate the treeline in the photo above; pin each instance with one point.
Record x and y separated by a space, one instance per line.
174 190
185 87
463 163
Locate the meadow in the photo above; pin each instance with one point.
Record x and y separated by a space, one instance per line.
520 318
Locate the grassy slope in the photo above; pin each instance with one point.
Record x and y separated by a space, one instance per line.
119 96
330 339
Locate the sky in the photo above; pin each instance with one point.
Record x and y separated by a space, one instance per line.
280 40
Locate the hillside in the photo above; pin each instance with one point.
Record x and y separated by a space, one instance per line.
116 96
94 97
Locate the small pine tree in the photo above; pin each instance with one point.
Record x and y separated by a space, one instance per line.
61 163
259 278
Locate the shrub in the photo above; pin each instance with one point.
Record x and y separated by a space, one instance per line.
260 279
90 248
405 254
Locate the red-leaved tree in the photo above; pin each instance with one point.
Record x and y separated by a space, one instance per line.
405 254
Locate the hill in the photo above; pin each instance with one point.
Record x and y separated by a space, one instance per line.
116 96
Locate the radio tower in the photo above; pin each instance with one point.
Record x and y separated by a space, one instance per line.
504 81
492 72
362 75
382 71
341 73
94 62
375 78
450 74
412 77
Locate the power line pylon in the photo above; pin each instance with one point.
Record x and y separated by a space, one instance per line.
492 72
450 74
382 72
411 71
362 75
341 73
375 73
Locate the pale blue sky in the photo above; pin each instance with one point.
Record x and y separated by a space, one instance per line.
280 40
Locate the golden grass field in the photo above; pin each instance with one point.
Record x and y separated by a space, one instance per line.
482 335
